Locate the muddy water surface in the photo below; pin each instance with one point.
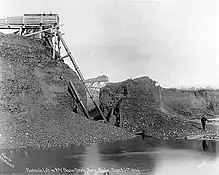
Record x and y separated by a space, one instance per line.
136 156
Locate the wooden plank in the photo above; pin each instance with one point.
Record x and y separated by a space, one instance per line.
30 20
43 30
17 20
2 22
39 14
64 57
80 75
78 100
102 78
8 27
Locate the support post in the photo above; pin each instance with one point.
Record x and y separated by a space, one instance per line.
20 30
54 45
80 75
40 34
59 47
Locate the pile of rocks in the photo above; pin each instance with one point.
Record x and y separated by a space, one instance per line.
35 106
141 110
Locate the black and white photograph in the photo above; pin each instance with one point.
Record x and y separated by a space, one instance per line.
109 87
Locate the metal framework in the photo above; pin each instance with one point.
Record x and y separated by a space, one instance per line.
47 26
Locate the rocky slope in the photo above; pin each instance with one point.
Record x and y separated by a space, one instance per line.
192 103
163 113
35 106
95 94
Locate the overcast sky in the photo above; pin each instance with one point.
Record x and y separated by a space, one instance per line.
175 42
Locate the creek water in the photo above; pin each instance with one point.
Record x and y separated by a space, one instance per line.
135 156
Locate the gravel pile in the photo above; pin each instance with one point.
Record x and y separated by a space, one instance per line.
191 103
95 94
141 110
35 106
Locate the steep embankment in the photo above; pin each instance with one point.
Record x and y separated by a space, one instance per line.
192 103
35 106
160 112
95 95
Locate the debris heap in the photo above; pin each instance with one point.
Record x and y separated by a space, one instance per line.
35 106
143 109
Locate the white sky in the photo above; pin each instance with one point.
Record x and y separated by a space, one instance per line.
175 42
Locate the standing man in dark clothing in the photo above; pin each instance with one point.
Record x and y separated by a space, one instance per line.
203 121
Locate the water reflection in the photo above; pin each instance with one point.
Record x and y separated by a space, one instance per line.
92 157
183 162
204 145
209 146
148 156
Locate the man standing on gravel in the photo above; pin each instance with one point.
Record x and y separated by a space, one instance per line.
203 121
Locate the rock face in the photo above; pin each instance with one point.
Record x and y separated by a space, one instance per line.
192 102
35 106
156 110
138 107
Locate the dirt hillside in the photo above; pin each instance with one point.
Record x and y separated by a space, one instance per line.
163 113
191 103
35 106
95 95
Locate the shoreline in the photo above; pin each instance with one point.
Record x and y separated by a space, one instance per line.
208 135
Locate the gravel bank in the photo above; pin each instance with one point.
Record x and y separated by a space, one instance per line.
35 106
144 109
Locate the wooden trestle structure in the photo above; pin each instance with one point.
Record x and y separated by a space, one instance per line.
95 83
47 26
